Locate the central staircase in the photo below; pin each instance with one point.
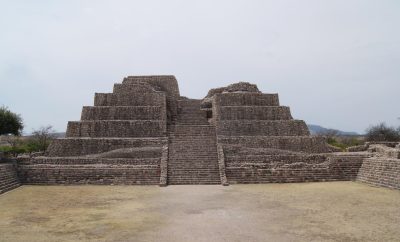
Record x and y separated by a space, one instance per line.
193 155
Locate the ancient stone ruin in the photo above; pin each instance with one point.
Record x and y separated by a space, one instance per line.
145 132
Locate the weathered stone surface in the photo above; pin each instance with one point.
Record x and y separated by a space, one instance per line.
380 171
383 168
384 151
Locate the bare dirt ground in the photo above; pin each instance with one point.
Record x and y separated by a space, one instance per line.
335 211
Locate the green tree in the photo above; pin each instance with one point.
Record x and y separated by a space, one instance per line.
10 123
382 132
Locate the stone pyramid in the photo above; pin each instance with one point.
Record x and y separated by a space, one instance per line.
144 132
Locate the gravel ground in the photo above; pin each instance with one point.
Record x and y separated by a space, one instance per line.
332 211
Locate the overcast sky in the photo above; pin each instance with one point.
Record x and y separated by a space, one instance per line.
335 63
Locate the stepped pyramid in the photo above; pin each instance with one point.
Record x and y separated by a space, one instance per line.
144 132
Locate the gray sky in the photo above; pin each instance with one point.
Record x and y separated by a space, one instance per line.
335 63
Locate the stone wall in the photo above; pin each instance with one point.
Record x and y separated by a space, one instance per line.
87 146
292 168
8 177
138 99
123 113
262 128
247 99
117 128
255 112
90 174
380 171
292 143
383 169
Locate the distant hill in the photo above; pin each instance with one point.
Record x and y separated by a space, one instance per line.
316 129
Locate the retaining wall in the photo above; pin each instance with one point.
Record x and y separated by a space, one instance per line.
382 171
283 169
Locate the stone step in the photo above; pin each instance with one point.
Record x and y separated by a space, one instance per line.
193 149
191 143
200 163
192 122
186 175
197 156
194 167
194 182
193 155
191 113
190 157
192 133
195 174
198 179
194 178
193 119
